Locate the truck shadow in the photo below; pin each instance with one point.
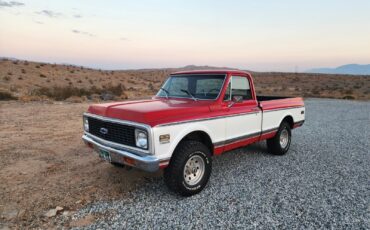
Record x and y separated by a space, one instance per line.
153 184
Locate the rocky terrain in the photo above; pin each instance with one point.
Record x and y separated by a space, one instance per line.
49 179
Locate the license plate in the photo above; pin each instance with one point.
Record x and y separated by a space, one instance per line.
104 154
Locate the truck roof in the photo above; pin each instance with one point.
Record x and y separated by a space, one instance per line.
212 71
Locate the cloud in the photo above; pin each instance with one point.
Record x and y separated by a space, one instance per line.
38 22
123 39
77 16
49 13
10 4
83 33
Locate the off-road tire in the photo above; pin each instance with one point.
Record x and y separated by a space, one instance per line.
174 174
274 145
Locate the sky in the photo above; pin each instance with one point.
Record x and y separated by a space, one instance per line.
266 35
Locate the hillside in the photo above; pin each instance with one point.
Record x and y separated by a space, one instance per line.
353 69
30 81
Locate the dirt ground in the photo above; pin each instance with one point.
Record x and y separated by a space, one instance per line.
33 81
44 164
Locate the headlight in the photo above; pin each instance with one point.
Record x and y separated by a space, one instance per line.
86 124
141 138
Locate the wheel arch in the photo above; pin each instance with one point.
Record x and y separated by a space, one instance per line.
288 118
198 135
194 132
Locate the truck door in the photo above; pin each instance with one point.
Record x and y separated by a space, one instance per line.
243 118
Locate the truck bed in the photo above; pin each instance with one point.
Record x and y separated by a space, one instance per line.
278 102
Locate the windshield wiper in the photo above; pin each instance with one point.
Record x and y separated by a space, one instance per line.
166 91
188 93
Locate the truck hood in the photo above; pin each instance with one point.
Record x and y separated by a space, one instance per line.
154 111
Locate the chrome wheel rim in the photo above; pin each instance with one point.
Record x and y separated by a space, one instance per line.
284 138
194 170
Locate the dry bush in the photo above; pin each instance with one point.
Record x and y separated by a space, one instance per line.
61 93
5 96
42 75
28 98
349 97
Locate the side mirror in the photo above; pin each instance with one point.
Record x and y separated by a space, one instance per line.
236 99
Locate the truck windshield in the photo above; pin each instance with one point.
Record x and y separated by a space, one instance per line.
195 86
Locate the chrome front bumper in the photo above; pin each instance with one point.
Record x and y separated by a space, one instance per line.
146 163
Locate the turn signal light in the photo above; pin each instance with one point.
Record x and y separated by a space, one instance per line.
129 161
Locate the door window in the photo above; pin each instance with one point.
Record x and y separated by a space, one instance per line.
238 86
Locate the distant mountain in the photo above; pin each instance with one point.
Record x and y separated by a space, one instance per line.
353 69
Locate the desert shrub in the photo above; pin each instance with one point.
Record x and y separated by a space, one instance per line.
4 96
25 63
72 71
315 91
115 90
13 88
42 75
15 62
20 78
349 91
61 93
79 81
23 71
10 73
151 87
38 67
348 97
6 78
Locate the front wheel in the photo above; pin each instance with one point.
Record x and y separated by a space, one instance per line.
280 143
189 169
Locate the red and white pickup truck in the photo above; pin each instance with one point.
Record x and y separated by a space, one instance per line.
194 116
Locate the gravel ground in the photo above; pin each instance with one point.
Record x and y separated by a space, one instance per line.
323 182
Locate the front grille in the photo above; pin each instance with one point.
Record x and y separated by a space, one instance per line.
117 133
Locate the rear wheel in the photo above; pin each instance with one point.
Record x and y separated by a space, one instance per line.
189 169
280 143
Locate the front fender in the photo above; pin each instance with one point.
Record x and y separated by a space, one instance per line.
178 132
